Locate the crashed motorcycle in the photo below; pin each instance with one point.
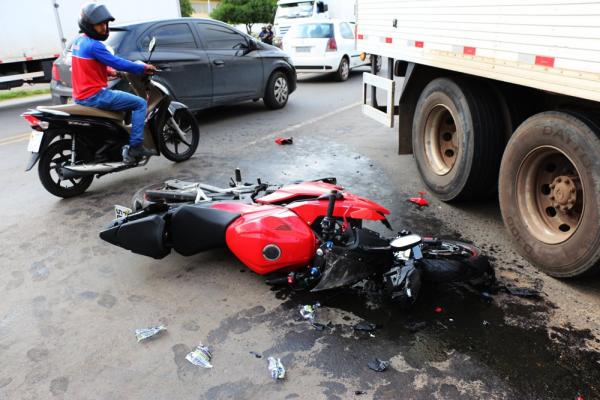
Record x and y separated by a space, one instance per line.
74 143
307 235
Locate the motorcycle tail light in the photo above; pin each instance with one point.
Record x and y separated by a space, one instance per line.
35 122
331 44
55 72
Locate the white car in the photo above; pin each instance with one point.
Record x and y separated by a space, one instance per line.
323 46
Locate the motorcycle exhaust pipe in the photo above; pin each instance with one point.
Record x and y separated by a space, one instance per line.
76 171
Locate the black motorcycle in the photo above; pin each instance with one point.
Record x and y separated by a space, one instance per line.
74 143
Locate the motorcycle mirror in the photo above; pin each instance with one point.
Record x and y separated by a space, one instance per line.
405 242
151 47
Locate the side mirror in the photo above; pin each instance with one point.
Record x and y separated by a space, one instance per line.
152 45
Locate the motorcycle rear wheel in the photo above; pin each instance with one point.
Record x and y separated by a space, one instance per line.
55 156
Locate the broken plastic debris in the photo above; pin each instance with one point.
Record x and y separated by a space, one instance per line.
276 368
420 201
523 292
359 392
415 326
485 323
255 354
365 326
282 140
439 310
201 356
309 311
146 333
378 365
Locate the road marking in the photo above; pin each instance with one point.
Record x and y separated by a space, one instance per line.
302 124
15 139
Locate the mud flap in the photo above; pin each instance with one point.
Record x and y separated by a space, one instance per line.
32 161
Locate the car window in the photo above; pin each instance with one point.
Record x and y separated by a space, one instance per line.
316 30
170 36
216 37
346 31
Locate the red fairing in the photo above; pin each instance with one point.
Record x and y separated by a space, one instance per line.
270 238
351 206
304 189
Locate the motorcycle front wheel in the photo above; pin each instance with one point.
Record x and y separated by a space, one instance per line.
53 158
454 261
180 136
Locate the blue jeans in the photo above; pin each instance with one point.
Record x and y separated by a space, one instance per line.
116 100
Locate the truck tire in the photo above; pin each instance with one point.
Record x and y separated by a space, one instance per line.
549 193
458 136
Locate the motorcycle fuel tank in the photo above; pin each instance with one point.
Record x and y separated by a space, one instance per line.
267 240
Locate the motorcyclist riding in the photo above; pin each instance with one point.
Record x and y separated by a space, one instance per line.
92 63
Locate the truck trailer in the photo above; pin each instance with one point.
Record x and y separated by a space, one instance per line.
33 33
499 98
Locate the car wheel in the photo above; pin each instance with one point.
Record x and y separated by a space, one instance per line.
548 189
343 71
277 92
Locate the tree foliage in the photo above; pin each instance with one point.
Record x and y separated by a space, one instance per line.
246 12
186 8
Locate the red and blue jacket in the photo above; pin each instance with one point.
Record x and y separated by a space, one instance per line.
89 63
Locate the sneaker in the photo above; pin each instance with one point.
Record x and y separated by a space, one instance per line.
136 153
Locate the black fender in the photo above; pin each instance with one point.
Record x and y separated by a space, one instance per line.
174 106
48 138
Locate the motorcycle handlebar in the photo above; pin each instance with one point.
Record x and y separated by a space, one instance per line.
331 204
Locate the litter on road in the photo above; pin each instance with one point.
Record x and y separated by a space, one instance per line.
201 356
420 201
255 354
276 368
365 326
282 140
378 365
309 312
147 333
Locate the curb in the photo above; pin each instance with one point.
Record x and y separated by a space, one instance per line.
24 100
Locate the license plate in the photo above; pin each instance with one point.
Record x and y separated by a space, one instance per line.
35 140
122 212
303 49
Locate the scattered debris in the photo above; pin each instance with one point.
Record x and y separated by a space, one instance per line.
282 140
450 319
378 365
255 354
523 292
359 392
438 310
146 333
309 311
415 326
320 327
486 323
486 297
276 368
365 326
420 201
579 397
201 356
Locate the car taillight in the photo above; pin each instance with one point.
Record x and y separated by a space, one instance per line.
331 45
55 73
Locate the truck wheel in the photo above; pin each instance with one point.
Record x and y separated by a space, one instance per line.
549 186
457 136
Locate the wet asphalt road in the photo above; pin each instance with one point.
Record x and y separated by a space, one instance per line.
71 302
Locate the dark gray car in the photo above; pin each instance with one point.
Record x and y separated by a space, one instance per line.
205 63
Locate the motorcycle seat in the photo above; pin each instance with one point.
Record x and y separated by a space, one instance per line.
197 228
77 109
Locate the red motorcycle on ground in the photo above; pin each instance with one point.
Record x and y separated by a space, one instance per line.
309 235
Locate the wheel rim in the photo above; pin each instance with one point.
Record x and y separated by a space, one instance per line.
172 141
345 69
280 90
440 140
57 161
550 195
